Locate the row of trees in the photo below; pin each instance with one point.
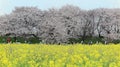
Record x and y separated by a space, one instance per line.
59 25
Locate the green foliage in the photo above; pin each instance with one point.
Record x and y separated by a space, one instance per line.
3 39
87 40
33 40
116 41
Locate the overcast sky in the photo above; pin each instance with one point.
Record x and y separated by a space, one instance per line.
6 6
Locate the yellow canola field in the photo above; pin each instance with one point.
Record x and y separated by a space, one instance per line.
77 55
